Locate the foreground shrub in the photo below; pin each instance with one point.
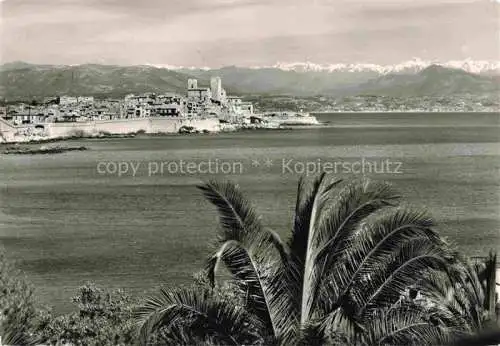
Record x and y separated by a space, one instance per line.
18 308
102 318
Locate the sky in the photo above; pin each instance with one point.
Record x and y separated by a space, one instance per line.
218 33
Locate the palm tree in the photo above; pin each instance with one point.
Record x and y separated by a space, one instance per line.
358 268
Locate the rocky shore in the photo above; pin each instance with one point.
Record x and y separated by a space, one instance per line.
20 150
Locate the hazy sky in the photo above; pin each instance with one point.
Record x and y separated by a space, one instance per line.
247 32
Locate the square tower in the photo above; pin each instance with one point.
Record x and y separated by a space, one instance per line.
216 88
192 83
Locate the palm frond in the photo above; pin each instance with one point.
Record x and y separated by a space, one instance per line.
11 336
177 334
306 195
465 296
305 213
405 325
372 244
255 257
355 202
237 216
261 279
313 334
319 201
200 314
468 274
342 326
388 282
16 333
329 238
449 300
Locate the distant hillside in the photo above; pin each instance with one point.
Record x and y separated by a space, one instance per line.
16 65
20 80
434 80
275 81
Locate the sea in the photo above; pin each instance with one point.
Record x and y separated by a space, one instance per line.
127 212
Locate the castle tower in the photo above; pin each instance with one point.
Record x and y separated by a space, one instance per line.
216 88
192 84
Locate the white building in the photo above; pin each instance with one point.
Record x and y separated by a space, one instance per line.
201 95
68 100
169 98
168 110
247 108
147 98
236 105
85 99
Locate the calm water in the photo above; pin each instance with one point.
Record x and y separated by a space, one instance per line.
65 223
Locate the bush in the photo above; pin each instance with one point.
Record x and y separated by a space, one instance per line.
18 309
102 318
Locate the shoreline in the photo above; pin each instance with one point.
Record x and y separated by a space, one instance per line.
406 112
147 135
322 125
241 128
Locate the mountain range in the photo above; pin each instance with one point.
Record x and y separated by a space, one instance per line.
20 80
483 67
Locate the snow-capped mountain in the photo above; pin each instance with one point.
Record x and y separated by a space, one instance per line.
414 65
415 78
434 80
178 68
411 66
